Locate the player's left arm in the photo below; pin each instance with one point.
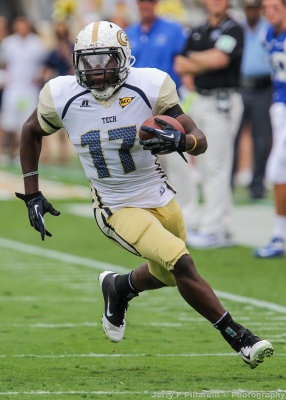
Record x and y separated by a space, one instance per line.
196 142
168 138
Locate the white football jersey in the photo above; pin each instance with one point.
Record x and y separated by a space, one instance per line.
105 136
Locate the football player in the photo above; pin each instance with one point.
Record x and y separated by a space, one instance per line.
275 42
102 108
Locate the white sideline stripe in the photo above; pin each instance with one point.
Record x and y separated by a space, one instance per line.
165 393
117 355
248 300
59 256
263 327
51 326
73 325
102 266
49 299
278 336
40 392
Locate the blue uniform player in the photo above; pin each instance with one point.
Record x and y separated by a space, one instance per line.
276 46
275 12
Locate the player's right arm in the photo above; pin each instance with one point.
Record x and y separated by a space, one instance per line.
43 121
30 150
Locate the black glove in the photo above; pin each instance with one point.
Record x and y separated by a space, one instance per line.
166 141
37 206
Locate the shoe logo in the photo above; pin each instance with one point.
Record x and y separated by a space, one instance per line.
245 352
108 313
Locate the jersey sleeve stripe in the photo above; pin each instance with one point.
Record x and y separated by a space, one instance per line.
71 100
50 124
140 92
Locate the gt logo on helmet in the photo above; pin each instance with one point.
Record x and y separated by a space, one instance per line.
122 38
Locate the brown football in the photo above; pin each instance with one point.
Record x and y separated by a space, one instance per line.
151 122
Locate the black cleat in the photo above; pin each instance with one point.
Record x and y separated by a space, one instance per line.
113 319
251 348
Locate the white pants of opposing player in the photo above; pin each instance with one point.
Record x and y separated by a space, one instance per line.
276 165
213 168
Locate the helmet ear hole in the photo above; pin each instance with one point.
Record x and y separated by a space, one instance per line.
102 41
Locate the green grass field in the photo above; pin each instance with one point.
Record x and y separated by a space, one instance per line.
53 346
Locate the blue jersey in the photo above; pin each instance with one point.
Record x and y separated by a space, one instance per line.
255 60
158 47
276 46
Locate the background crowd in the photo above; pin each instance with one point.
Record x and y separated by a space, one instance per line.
225 85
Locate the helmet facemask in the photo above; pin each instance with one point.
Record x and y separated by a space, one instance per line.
102 70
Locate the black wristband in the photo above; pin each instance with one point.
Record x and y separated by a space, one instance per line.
32 196
28 197
182 144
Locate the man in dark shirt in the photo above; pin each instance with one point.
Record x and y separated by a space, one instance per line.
256 91
212 57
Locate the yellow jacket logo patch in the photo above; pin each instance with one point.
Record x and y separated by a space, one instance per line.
124 101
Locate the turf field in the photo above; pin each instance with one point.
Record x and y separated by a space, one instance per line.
52 345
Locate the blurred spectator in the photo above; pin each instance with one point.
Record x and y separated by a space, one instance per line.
59 59
11 9
120 20
58 62
172 9
124 10
3 34
64 9
256 91
212 55
120 16
155 41
23 53
275 12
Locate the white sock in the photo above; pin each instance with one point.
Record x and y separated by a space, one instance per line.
279 229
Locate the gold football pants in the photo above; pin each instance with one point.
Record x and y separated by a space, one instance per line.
156 234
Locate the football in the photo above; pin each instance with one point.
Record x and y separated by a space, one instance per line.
151 122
